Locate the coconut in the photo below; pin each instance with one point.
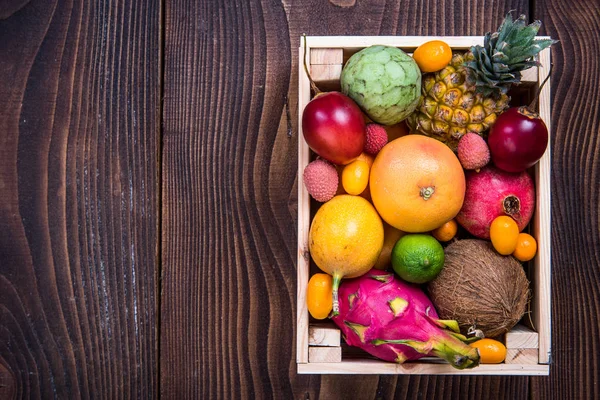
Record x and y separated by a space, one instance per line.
480 288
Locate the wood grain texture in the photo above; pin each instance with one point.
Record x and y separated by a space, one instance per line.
230 193
228 203
79 97
575 146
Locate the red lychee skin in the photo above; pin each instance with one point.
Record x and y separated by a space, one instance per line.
473 151
321 180
376 138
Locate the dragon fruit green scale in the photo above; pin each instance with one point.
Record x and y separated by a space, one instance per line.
384 81
395 321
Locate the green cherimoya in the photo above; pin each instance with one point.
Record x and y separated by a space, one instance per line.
384 81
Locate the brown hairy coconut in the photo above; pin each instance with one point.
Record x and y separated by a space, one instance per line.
480 287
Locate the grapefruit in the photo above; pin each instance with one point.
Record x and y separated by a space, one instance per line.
417 183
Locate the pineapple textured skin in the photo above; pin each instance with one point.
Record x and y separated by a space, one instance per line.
470 93
450 107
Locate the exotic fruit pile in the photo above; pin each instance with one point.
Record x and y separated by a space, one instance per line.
420 171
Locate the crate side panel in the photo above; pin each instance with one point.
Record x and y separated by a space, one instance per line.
370 367
303 221
542 227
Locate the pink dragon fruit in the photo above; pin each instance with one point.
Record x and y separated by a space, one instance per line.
395 321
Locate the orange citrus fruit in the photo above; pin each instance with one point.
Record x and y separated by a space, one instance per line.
446 232
355 177
390 236
432 56
366 158
490 351
363 157
417 183
504 233
526 247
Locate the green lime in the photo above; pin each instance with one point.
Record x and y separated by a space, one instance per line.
417 258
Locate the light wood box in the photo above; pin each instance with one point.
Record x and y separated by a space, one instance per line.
325 56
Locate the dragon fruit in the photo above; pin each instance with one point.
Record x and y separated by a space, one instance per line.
396 321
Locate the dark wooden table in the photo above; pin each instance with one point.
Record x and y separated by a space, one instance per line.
148 196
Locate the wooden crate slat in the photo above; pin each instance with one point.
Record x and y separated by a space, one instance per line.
521 337
530 75
330 56
324 335
303 223
521 356
326 73
541 226
370 367
324 355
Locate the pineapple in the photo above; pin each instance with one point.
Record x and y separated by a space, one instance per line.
470 93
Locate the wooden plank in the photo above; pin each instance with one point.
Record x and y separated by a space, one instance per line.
324 335
331 56
79 144
370 367
521 337
229 203
522 356
575 148
324 354
541 222
303 257
327 74
530 75
231 194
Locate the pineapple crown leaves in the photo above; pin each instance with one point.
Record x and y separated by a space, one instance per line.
498 64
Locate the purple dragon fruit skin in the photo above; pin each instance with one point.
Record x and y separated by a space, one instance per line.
395 321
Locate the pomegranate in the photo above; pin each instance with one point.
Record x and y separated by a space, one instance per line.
491 193
334 127
518 139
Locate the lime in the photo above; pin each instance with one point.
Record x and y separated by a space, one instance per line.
417 258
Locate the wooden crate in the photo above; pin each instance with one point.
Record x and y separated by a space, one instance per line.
528 350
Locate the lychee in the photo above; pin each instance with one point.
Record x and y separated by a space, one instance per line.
473 151
376 138
321 180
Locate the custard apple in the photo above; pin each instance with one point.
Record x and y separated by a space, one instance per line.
384 81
